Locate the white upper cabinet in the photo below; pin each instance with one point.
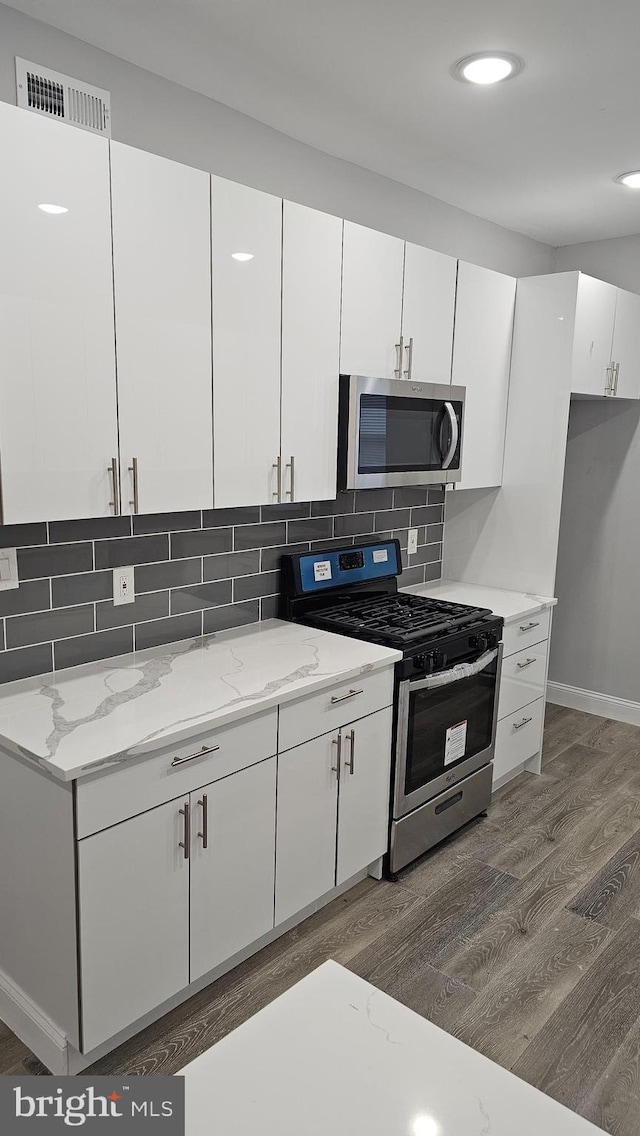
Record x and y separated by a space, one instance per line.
626 345
58 423
311 281
427 314
481 361
372 271
163 331
593 336
246 223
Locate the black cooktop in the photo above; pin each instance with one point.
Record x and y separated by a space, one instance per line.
398 619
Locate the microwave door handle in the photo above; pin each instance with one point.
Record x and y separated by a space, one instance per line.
455 435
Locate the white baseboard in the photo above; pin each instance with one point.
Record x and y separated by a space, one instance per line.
605 705
34 1028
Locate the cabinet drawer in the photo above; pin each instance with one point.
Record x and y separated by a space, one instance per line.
118 793
526 632
522 680
317 714
518 738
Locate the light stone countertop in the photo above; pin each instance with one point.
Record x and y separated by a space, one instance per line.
510 605
78 720
334 1056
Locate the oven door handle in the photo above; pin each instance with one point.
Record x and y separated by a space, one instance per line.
455 674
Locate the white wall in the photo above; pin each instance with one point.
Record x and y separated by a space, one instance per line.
165 118
596 626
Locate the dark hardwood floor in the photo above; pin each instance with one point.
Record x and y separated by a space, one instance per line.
520 935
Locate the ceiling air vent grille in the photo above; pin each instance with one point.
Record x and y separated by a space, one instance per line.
58 96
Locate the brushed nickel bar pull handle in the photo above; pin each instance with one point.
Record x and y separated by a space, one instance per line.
399 349
186 843
608 389
193 756
113 470
409 351
528 626
352 746
291 466
524 722
337 742
343 697
616 376
277 465
527 663
133 469
204 835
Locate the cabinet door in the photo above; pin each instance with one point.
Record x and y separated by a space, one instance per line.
311 282
306 827
626 344
232 877
246 343
364 794
481 362
372 269
427 313
58 426
163 330
133 882
593 336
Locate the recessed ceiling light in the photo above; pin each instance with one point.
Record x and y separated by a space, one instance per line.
632 179
53 208
242 255
487 67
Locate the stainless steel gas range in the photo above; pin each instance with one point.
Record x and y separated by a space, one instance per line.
445 690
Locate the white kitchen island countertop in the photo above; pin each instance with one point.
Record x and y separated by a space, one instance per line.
336 1057
79 720
510 605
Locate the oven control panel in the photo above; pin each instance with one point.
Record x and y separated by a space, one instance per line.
336 567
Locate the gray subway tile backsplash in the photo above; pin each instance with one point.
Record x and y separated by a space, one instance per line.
43 626
91 648
26 662
167 574
132 550
32 595
197 597
56 560
188 567
96 528
161 631
152 605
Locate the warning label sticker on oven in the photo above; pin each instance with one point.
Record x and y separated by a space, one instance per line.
380 555
322 570
455 742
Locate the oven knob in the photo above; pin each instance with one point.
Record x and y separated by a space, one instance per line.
420 662
437 660
493 640
478 642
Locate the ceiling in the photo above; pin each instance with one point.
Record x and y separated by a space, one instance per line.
369 81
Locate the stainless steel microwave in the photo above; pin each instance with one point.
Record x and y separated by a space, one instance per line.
398 432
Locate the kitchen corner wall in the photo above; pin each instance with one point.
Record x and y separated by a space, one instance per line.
195 572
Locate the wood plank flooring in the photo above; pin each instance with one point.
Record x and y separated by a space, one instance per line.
520 935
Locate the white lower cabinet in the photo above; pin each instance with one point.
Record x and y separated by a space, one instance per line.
363 802
521 698
133 881
232 864
333 805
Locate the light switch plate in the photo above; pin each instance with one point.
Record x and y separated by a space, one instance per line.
8 569
412 541
123 588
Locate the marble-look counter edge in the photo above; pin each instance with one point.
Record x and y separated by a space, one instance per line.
216 718
517 605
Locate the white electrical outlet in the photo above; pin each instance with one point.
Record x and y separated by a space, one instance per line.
123 592
412 541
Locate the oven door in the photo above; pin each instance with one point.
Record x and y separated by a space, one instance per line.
446 728
402 433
